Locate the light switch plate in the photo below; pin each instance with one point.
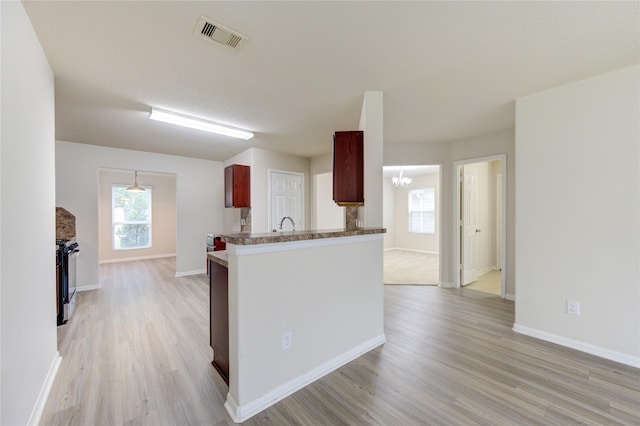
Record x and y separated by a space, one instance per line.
287 340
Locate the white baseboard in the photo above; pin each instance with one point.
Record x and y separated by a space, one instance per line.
447 285
412 250
511 297
38 408
88 287
486 270
241 413
194 272
131 259
605 353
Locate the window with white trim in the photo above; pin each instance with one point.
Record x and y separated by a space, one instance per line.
131 218
422 207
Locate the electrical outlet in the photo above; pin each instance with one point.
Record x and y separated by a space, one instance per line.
573 307
287 340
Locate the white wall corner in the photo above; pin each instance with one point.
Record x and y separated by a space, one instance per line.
511 297
233 409
38 409
371 123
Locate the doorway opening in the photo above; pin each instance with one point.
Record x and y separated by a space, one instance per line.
131 228
480 237
411 215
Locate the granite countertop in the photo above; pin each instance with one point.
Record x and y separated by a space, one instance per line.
220 257
243 238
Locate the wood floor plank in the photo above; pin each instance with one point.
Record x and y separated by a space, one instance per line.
137 352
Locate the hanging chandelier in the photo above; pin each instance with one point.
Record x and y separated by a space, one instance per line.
400 181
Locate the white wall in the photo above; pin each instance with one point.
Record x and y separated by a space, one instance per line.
261 161
199 199
412 241
335 314
318 165
28 355
388 213
578 232
371 122
328 214
163 214
446 154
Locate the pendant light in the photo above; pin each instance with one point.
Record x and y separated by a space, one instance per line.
135 187
401 181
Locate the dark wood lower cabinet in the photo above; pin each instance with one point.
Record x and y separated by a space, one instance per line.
209 248
219 318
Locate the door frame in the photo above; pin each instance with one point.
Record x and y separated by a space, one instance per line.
457 260
302 210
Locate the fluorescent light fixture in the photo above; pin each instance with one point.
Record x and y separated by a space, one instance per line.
197 123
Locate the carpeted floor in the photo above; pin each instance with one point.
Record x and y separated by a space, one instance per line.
488 283
404 267
411 268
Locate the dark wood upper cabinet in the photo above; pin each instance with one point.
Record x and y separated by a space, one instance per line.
237 186
348 168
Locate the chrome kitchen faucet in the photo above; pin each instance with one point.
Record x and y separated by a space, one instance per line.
293 224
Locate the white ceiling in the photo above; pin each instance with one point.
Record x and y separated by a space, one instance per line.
448 70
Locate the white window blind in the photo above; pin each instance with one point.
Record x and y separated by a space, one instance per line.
422 206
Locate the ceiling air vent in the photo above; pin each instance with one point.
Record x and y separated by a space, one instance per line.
212 31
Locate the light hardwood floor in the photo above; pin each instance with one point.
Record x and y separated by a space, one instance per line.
136 352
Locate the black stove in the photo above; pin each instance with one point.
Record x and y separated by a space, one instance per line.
66 253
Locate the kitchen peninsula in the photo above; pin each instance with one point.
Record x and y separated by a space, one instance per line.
300 305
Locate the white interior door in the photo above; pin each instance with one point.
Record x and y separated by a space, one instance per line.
287 194
469 224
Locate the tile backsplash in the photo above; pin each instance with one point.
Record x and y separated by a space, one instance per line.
65 224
